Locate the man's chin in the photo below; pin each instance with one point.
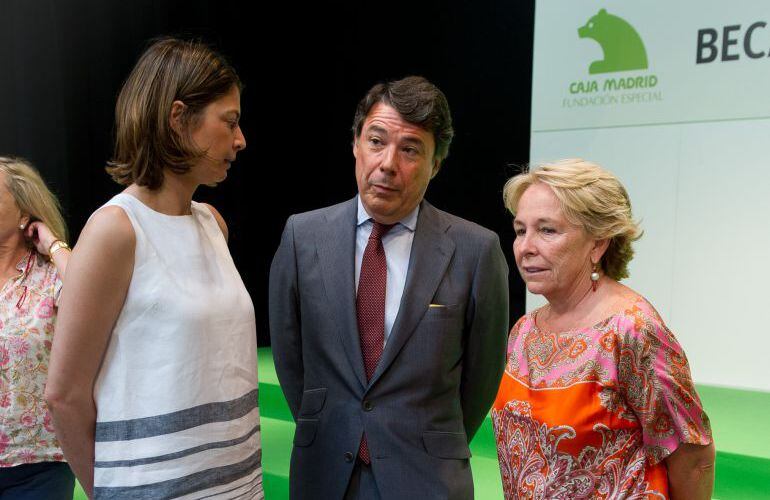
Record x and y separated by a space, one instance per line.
379 207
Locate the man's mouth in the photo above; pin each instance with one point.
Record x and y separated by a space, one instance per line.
382 187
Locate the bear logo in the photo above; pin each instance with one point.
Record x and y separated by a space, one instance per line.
622 46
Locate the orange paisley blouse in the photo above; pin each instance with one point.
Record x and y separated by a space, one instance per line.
592 412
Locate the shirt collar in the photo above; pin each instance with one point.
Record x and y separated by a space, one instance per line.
25 264
409 222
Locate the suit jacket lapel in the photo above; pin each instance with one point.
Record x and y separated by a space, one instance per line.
336 256
431 252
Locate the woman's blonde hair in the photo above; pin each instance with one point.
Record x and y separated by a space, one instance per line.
32 196
591 198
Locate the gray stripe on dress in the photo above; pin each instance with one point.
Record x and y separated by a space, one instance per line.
173 488
250 494
126 430
255 483
179 454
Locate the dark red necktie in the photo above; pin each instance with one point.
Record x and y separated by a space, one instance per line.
370 308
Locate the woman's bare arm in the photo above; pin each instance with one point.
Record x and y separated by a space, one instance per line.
42 237
98 275
691 472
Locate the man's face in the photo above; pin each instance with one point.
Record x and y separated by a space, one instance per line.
394 164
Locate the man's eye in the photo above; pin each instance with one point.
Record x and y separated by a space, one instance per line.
519 232
411 151
375 141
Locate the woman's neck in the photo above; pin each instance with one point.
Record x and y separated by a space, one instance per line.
572 298
11 252
172 198
581 306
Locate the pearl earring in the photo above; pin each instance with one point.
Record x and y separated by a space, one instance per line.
21 226
594 276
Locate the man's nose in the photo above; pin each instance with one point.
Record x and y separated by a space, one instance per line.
389 158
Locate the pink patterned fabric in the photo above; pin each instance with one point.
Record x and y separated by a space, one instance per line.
27 316
370 308
592 412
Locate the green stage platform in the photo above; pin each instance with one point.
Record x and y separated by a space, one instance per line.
743 442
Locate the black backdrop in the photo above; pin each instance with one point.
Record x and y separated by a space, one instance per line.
305 67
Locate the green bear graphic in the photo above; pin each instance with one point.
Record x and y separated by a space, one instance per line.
622 46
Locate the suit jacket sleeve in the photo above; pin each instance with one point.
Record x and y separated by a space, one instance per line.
484 358
285 327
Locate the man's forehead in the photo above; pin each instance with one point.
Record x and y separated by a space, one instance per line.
385 117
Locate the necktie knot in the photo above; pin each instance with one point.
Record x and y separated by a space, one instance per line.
379 230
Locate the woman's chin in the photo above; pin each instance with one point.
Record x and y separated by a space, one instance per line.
536 288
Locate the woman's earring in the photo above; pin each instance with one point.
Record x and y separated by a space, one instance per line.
595 276
21 226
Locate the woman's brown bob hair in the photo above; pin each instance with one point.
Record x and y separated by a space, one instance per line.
591 198
145 143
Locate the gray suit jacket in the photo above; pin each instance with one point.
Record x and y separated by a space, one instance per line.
438 374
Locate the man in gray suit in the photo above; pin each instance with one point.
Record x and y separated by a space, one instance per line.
388 318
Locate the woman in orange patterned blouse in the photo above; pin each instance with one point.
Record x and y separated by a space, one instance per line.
597 399
33 257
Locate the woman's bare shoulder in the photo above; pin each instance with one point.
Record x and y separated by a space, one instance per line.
108 233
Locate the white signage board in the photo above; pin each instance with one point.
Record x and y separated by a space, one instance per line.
674 98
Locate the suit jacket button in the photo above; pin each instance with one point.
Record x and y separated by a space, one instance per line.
368 406
348 456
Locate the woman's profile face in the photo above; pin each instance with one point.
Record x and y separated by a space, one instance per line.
218 132
552 254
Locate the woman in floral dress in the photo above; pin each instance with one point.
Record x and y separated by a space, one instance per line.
33 257
597 400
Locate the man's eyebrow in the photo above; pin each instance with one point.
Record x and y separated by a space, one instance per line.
414 140
377 129
234 112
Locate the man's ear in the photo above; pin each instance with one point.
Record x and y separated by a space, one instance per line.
355 147
175 117
436 168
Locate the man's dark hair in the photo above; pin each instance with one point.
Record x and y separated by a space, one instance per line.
419 102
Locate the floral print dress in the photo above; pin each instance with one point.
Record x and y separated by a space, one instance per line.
592 413
27 316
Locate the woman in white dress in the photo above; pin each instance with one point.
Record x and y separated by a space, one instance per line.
153 383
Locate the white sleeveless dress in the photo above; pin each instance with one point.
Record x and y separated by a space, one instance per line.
176 396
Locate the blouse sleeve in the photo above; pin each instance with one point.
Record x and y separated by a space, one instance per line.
654 378
52 282
513 336
57 286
